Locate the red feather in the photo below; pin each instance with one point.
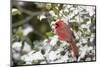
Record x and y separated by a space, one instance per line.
64 33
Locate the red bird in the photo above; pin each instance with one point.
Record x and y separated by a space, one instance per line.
65 34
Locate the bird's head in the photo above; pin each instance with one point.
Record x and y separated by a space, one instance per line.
59 23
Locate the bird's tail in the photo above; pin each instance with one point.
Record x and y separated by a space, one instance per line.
74 48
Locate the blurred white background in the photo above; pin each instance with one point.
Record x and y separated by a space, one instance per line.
5 32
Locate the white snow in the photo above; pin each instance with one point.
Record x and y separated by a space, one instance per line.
16 56
27 30
34 56
17 46
53 40
27 47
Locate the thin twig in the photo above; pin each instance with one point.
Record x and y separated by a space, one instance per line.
26 19
22 9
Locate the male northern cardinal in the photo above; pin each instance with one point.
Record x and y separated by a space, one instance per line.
65 34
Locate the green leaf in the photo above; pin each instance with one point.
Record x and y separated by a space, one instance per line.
19 32
75 26
54 5
65 13
58 43
62 53
48 6
51 18
49 33
56 11
61 6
